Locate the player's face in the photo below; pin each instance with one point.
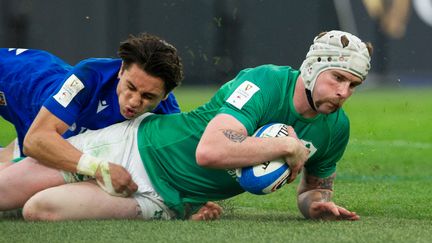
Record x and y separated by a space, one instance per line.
333 87
138 92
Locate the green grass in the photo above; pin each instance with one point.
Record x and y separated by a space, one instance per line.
7 132
384 176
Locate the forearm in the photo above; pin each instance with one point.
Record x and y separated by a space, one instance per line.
227 149
225 145
52 150
305 200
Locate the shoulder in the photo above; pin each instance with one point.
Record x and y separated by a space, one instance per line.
265 74
267 68
98 64
93 71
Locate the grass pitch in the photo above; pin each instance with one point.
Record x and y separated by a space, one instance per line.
385 176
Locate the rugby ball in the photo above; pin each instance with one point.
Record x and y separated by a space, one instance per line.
269 176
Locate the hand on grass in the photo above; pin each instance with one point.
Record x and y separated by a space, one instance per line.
331 211
210 211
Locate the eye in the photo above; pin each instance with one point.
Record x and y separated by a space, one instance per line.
131 87
147 96
353 85
338 77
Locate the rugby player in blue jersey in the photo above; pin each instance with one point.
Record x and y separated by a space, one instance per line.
48 100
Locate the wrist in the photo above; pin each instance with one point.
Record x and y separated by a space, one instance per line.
88 165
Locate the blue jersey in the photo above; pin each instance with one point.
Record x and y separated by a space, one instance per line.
83 96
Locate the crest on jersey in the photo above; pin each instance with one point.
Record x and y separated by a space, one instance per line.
3 99
242 94
309 145
69 90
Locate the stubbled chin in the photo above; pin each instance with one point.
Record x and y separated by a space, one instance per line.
327 109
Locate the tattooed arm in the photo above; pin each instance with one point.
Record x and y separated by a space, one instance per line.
314 199
225 144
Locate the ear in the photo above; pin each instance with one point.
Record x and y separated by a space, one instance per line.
121 70
166 97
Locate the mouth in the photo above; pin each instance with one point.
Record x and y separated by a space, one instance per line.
129 112
334 104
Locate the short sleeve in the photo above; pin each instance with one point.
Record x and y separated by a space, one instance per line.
326 164
72 95
253 96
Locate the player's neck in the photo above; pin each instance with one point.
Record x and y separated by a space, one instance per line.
301 103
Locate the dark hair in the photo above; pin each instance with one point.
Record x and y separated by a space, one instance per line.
154 56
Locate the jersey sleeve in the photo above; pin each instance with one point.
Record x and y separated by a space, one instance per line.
73 94
252 98
168 106
326 164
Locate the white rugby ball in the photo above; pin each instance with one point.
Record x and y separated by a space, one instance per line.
269 176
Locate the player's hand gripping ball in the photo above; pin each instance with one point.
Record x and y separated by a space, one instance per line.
269 176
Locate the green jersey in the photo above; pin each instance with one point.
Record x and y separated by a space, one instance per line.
257 96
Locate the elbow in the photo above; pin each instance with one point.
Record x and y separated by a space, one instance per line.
208 158
29 144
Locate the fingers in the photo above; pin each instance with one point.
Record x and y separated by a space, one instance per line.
116 180
298 156
209 215
292 176
334 210
205 215
127 189
347 215
331 211
295 169
291 132
210 211
215 207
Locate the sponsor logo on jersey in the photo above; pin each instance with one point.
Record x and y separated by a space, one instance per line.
69 90
17 50
74 127
242 94
3 99
101 106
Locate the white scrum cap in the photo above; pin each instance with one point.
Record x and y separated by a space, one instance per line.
329 51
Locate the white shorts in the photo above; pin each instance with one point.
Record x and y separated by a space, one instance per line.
118 144
16 151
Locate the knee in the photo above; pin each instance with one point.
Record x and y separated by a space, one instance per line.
37 208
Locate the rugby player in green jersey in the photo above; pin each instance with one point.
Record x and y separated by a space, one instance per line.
181 162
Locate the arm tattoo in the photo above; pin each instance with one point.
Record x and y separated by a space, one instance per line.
320 183
315 189
234 136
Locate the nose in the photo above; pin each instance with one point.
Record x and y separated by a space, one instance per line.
135 100
344 90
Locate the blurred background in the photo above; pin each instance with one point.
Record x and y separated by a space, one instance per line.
218 38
